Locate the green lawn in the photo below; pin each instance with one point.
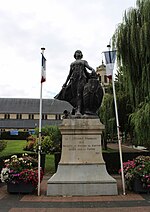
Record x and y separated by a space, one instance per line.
49 164
13 147
16 147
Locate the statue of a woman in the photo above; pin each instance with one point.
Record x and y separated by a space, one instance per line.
82 89
72 90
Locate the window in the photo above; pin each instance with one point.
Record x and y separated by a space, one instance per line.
19 116
44 116
58 117
99 78
31 116
7 116
105 79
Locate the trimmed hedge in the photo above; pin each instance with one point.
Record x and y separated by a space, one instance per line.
21 135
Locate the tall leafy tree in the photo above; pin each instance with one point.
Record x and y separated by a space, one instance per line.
107 116
132 40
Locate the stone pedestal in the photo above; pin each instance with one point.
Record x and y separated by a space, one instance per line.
81 170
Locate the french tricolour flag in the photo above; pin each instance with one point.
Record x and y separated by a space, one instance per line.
43 70
110 57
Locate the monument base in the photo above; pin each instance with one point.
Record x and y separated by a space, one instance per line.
81 180
82 170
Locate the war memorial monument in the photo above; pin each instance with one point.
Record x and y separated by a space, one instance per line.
81 170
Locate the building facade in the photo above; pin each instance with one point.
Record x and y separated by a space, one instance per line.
104 80
23 114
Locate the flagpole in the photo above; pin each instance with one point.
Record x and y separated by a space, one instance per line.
39 141
118 130
119 138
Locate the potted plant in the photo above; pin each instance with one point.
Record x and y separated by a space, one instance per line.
137 174
21 174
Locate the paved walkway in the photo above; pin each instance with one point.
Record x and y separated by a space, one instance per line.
124 147
43 203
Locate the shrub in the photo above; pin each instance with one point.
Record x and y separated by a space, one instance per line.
31 141
48 145
3 145
51 140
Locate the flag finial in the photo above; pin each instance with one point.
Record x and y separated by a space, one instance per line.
109 46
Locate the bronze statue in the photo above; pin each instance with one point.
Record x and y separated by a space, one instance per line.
81 89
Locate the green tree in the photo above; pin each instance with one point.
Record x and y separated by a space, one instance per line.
140 120
107 116
131 40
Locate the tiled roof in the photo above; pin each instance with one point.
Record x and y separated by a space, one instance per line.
30 106
27 106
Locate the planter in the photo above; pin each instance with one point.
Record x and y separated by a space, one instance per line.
20 187
138 187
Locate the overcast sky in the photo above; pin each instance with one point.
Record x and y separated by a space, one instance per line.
61 26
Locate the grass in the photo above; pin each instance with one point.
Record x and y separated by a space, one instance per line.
13 147
16 147
49 164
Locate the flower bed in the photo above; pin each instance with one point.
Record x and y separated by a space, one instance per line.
137 170
21 170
